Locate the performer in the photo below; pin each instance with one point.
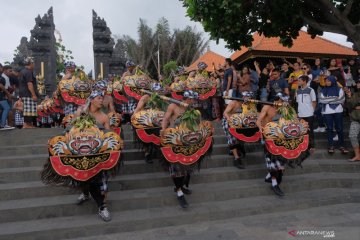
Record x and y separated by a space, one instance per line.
239 124
84 156
129 108
73 89
146 122
286 139
185 139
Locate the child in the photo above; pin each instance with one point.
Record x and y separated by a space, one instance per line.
19 119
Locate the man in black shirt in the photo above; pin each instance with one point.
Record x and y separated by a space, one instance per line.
28 93
228 79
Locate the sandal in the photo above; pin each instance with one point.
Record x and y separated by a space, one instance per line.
344 150
331 150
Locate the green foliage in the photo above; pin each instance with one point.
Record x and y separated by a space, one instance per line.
191 119
235 21
156 102
183 46
63 55
169 67
287 112
84 121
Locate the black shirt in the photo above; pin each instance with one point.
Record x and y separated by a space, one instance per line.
2 93
26 76
263 80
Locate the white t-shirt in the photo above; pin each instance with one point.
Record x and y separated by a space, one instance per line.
7 80
305 97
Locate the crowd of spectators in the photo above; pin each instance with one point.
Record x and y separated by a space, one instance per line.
320 90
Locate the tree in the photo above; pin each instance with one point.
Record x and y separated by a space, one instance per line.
182 46
235 21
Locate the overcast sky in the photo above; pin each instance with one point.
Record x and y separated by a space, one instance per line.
73 18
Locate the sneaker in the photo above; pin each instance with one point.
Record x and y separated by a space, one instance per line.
182 201
105 214
277 190
320 129
82 198
6 127
336 138
187 191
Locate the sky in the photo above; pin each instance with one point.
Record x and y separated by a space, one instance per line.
73 18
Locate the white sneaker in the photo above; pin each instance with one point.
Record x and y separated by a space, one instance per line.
336 138
320 129
6 127
105 214
82 198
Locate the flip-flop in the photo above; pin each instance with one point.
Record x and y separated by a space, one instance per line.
352 160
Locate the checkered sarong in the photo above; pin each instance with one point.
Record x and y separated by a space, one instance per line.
29 107
231 140
45 120
272 164
70 108
130 106
19 119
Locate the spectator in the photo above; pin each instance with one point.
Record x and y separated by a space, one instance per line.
19 118
286 71
294 77
307 71
10 87
235 82
264 80
353 101
4 96
335 69
28 93
245 82
306 99
316 69
332 97
254 78
227 82
353 69
277 85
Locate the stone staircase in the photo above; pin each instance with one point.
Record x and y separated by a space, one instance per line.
227 203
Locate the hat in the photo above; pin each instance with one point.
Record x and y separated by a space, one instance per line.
331 78
69 64
95 94
190 94
247 94
156 87
180 70
28 61
100 85
130 63
202 65
282 97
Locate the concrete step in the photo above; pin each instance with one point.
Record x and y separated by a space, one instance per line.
63 205
36 154
34 188
32 173
142 219
270 226
42 135
30 167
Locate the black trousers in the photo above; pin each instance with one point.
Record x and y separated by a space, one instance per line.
93 187
310 121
